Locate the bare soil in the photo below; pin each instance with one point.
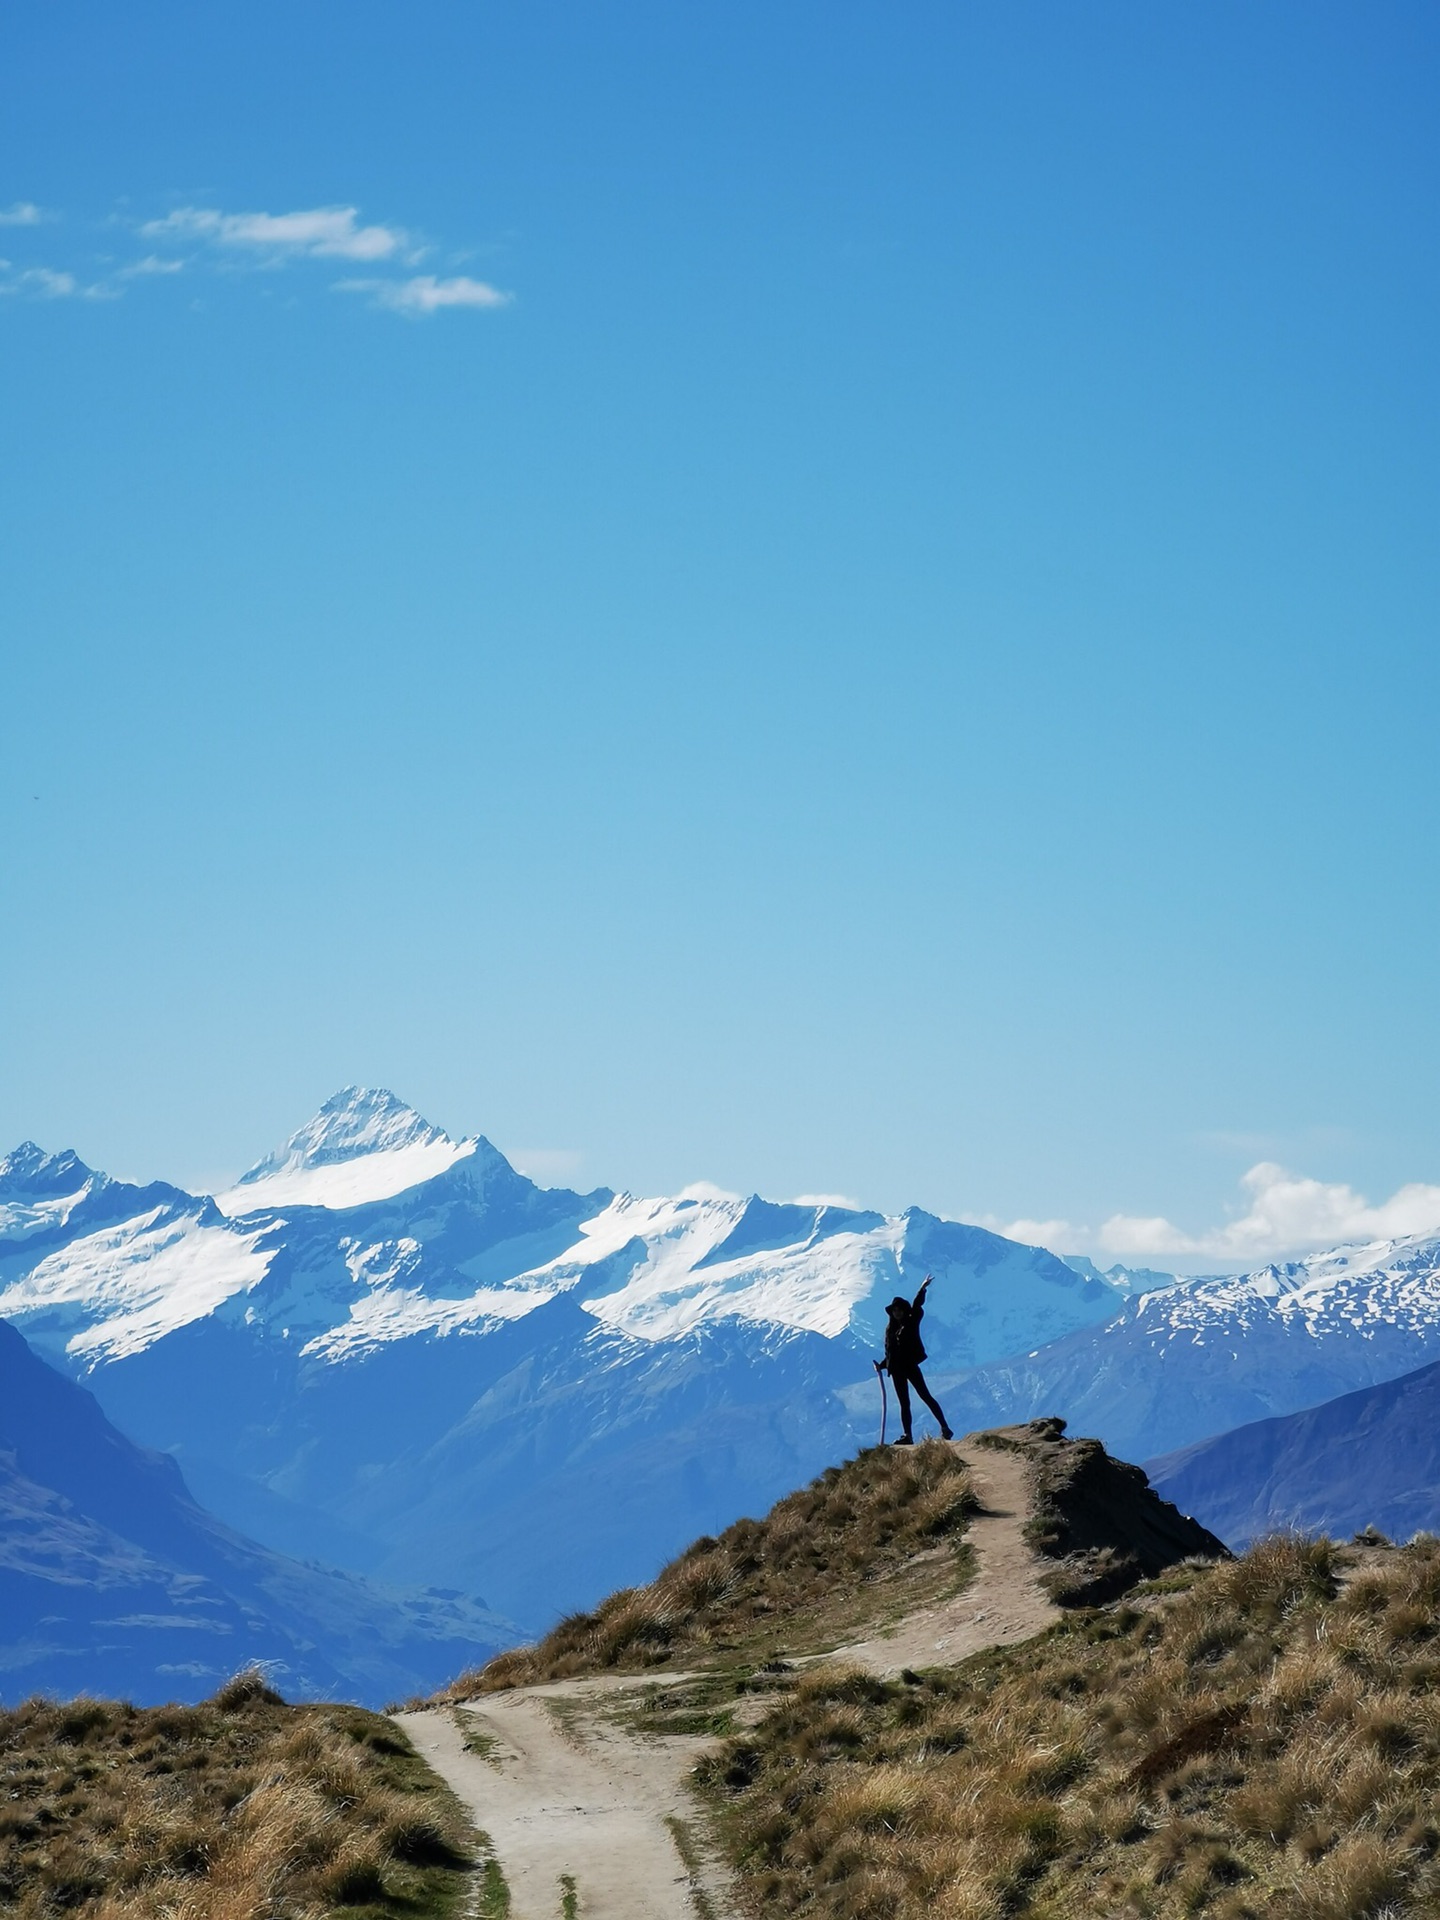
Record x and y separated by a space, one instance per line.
567 1789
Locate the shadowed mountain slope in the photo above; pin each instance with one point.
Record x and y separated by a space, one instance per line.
1366 1459
112 1579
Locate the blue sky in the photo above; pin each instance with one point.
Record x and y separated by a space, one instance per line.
825 597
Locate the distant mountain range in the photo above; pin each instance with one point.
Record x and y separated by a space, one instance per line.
1180 1364
390 1348
1370 1458
113 1580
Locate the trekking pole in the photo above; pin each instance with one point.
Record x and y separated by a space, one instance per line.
879 1366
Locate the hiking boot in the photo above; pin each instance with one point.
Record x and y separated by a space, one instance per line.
905 1440
946 1434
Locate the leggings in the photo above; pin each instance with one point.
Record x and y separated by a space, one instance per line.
912 1377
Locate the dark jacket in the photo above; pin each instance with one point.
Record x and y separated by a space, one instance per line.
904 1348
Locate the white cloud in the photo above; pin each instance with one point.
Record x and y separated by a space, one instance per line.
1059 1235
1283 1213
826 1200
547 1163
1286 1213
424 294
706 1190
330 233
192 236
45 280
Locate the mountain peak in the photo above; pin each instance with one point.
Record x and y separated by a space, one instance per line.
32 1173
353 1122
364 1144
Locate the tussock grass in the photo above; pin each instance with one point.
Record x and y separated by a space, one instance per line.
241 1808
853 1525
1264 1742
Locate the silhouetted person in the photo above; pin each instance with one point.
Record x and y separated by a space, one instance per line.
904 1350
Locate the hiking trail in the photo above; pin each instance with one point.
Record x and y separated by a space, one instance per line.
562 1788
1002 1604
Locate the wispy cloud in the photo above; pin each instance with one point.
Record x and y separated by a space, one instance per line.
204 240
547 1163
1060 1235
425 294
1283 1213
326 233
152 263
49 283
1286 1212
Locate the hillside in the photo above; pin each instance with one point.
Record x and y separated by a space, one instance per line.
1257 1740
113 1580
234 1808
1246 1738
871 1540
574 1753
1238 1737
862 1539
1366 1459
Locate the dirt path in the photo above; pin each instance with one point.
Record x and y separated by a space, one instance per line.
1004 1603
563 1790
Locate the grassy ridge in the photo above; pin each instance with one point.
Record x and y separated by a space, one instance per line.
849 1529
1263 1742
238 1808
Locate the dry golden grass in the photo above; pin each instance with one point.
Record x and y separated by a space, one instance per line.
1263 1743
242 1808
849 1529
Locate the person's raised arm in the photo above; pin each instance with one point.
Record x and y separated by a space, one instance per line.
917 1305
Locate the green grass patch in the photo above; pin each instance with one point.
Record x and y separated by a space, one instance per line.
475 1739
492 1900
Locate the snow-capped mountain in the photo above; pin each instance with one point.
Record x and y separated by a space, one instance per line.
387 1347
370 1226
1126 1280
380 1330
363 1145
1177 1365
